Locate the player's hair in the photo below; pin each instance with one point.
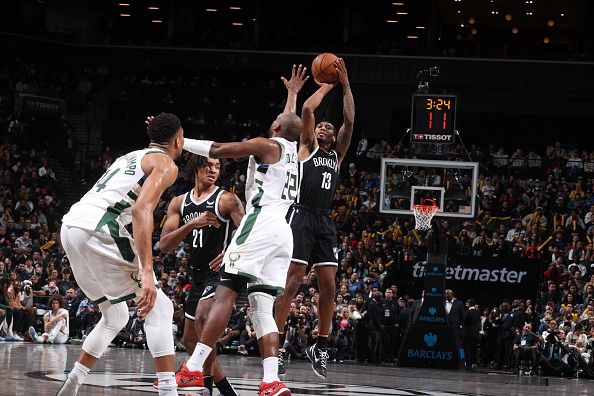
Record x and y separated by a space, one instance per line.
194 164
163 127
58 298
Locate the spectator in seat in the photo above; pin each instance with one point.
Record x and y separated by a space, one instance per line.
577 338
71 303
525 346
234 328
589 217
50 289
88 313
345 327
574 224
55 324
535 221
247 339
19 316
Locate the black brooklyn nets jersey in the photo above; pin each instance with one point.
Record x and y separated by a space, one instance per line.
318 176
207 242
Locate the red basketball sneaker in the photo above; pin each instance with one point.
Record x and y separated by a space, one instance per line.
185 377
273 389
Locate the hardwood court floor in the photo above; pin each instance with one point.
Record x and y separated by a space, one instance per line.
33 369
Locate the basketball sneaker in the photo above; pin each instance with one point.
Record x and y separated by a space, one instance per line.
33 335
281 362
318 358
273 389
185 377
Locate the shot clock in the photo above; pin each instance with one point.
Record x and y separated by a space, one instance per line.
433 118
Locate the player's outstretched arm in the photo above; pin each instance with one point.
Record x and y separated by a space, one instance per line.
308 137
173 233
345 133
162 172
266 150
294 85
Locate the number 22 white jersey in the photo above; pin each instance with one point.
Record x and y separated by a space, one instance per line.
273 186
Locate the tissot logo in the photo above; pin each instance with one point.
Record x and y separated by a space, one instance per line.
432 137
143 383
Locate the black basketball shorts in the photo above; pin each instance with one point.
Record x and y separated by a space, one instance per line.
314 237
202 289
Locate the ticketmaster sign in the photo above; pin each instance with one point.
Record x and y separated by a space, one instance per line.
486 279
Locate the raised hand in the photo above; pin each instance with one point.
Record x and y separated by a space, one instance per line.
148 120
343 75
298 79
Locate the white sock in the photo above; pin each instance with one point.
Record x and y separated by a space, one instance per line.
79 372
270 369
196 361
167 385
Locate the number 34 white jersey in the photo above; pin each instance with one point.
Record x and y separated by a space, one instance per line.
273 186
113 196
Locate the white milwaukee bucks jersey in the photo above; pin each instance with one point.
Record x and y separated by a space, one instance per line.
113 196
273 186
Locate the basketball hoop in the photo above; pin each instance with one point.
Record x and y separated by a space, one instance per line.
424 214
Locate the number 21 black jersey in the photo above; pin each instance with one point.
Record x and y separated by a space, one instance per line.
207 242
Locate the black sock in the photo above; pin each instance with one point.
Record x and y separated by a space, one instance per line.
281 339
208 383
322 342
225 388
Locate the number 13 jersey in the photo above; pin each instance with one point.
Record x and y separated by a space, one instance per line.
318 176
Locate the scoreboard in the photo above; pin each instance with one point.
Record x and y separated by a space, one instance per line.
433 118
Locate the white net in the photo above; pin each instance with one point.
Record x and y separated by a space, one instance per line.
424 215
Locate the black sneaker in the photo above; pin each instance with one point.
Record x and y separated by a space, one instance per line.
281 362
318 358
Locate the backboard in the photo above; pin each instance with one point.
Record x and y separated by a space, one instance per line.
452 184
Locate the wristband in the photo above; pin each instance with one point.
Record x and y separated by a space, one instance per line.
200 147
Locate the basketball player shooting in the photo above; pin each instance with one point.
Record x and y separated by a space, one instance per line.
321 152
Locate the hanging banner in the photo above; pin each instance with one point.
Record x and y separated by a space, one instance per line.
485 279
40 105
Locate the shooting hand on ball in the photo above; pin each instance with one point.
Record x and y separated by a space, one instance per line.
343 76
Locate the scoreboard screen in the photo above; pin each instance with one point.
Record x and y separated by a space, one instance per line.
433 118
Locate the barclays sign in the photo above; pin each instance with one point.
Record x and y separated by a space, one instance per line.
432 346
430 339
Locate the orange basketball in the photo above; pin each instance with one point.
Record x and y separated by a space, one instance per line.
323 69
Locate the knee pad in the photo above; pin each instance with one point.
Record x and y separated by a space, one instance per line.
158 327
260 313
113 319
